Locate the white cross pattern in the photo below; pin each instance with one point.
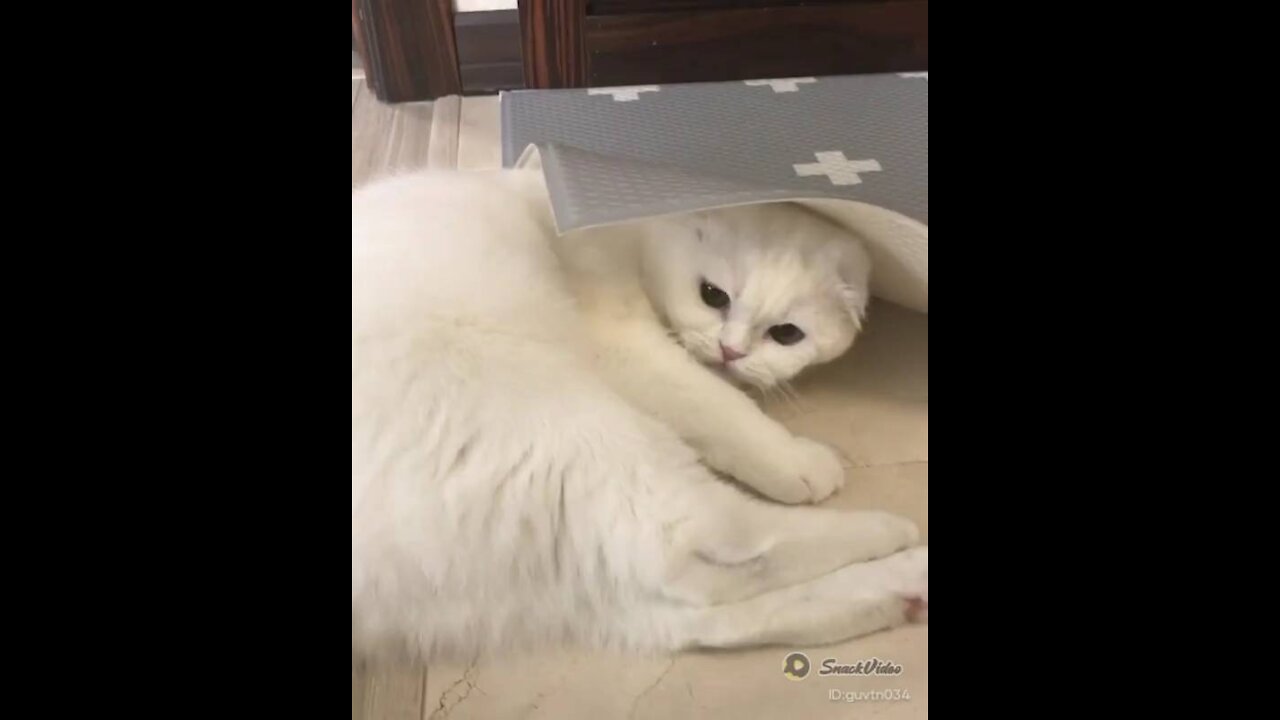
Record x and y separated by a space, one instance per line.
838 168
781 85
924 75
623 94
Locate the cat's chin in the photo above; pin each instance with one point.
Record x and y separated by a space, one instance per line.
725 373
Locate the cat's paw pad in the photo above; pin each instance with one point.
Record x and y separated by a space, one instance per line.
909 580
917 610
818 468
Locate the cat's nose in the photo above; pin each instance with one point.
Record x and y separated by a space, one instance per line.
729 354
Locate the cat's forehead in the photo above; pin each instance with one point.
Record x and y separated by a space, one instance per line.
769 257
780 283
763 264
763 235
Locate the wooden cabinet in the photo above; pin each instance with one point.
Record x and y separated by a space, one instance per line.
417 49
577 43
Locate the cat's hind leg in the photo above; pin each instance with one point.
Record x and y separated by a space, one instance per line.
855 600
732 547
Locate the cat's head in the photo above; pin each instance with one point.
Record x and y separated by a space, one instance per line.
760 291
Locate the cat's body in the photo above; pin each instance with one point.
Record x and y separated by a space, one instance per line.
530 423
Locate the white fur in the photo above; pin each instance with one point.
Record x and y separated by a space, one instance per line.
531 430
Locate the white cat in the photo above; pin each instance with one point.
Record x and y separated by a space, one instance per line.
533 418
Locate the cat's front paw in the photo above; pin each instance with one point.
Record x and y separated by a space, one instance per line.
805 471
794 471
818 468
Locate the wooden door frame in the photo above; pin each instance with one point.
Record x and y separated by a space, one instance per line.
552 40
407 48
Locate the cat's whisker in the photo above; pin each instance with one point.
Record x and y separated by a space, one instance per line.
788 393
767 393
757 380
780 391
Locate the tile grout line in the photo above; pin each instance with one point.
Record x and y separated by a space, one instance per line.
422 707
446 119
900 463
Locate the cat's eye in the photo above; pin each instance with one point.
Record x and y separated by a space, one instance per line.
714 296
787 334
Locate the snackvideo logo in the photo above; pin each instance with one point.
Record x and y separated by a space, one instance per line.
797 667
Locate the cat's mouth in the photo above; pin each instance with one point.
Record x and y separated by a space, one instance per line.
726 371
737 376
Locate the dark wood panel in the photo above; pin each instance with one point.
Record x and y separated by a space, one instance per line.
358 42
491 78
488 37
862 37
552 43
489 57
409 48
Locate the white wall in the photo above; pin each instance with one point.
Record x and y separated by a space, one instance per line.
477 5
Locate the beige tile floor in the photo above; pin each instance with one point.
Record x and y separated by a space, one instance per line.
451 132
873 405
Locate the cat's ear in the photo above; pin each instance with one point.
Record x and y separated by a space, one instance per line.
853 271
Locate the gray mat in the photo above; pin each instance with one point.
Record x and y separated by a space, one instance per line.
618 154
